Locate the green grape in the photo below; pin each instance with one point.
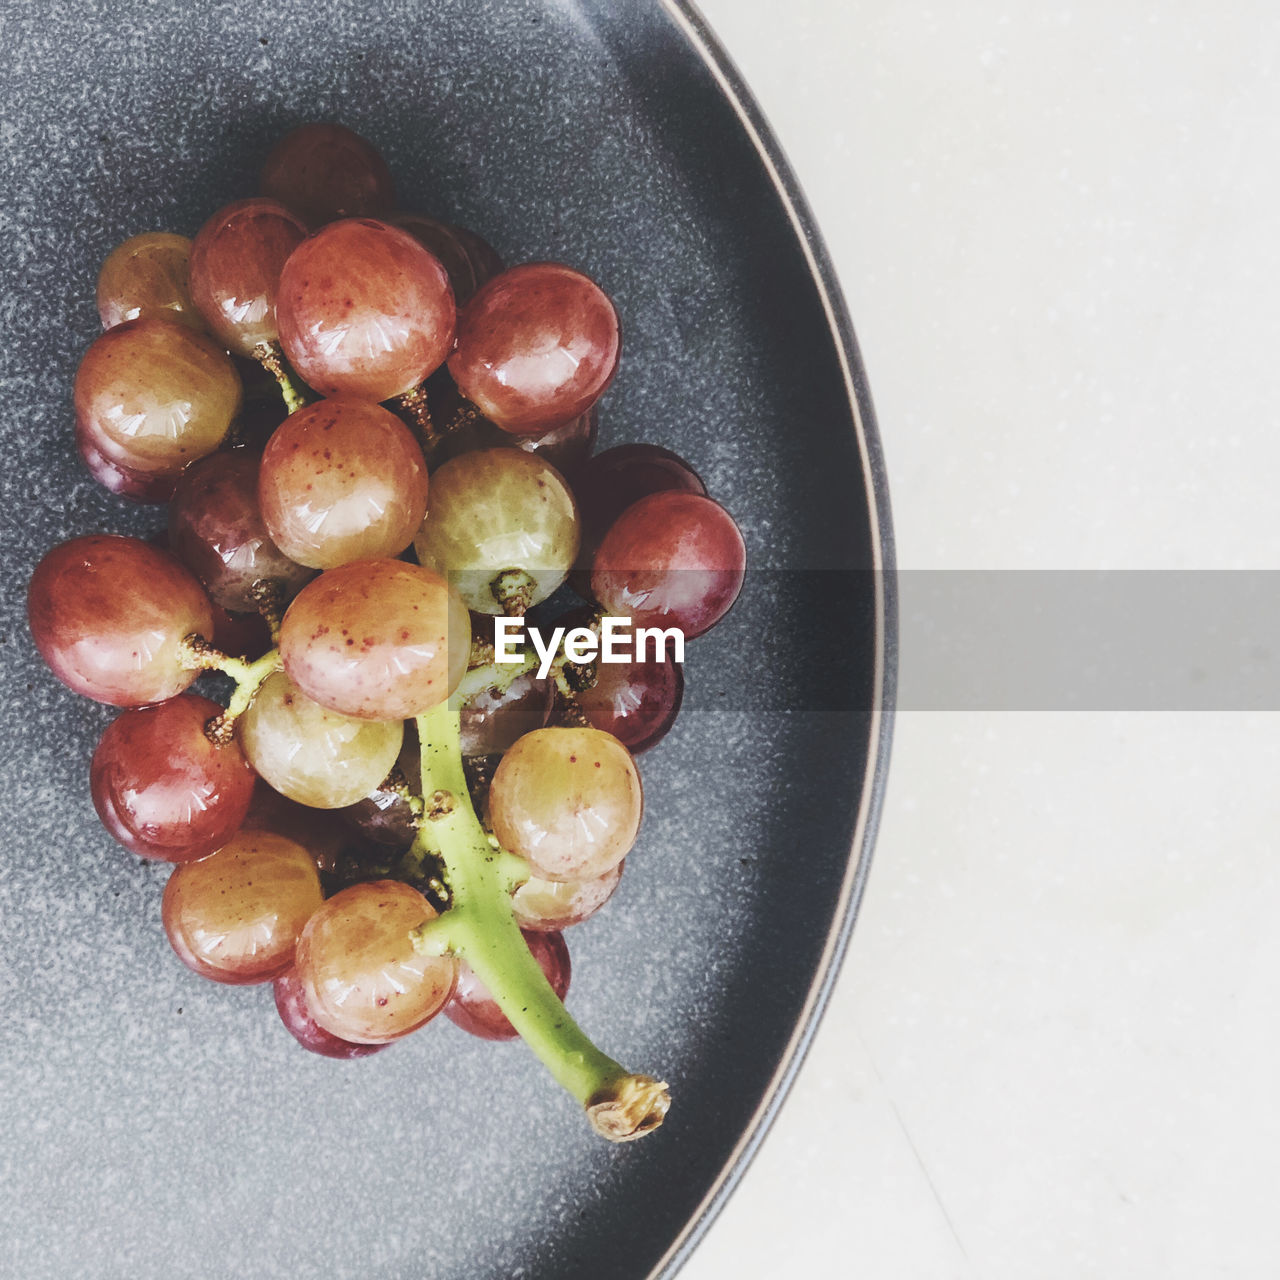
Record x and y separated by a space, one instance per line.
312 755
494 514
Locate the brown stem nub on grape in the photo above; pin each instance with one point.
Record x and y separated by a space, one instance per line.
629 1108
413 404
271 358
513 589
268 597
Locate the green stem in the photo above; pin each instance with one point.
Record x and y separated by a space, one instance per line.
199 655
271 358
494 675
480 927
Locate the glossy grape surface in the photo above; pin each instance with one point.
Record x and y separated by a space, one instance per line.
495 510
325 171
637 702
109 614
158 390
569 801
311 754
557 904
611 481
494 721
291 1005
116 477
537 346
377 639
476 1011
236 916
384 816
439 238
314 829
216 529
364 310
671 559
147 275
342 480
162 788
236 261
362 979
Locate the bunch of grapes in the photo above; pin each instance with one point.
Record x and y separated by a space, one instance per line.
374 441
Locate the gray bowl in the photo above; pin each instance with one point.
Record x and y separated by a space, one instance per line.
154 1125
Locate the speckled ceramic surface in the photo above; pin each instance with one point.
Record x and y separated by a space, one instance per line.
153 1125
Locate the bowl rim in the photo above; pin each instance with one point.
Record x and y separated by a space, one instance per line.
706 45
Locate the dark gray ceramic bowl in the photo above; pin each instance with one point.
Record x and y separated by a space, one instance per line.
156 1126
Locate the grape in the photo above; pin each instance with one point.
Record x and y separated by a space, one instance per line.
342 480
476 1011
109 614
537 346
136 486
384 815
637 702
494 511
485 260
158 390
361 977
163 789
236 262
493 721
439 238
568 801
464 429
376 639
240 635
236 916
312 755
291 1005
216 529
147 276
671 560
364 310
615 479
313 829
325 171
556 904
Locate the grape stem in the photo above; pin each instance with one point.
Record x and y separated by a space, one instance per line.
270 356
480 927
199 655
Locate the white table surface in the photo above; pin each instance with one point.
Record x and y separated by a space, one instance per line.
1052 1052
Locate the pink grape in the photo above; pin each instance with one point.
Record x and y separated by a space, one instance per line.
163 789
291 1005
325 171
364 310
376 639
672 559
158 390
216 529
549 905
123 481
236 261
476 1011
342 480
537 346
439 238
147 275
109 615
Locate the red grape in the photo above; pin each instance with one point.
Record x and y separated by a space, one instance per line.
145 276
158 390
136 486
611 481
637 702
291 1005
325 171
342 480
365 310
537 346
236 261
476 1011
240 635
362 978
216 529
163 789
494 720
672 559
109 614
313 829
236 916
377 639
485 259
439 239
